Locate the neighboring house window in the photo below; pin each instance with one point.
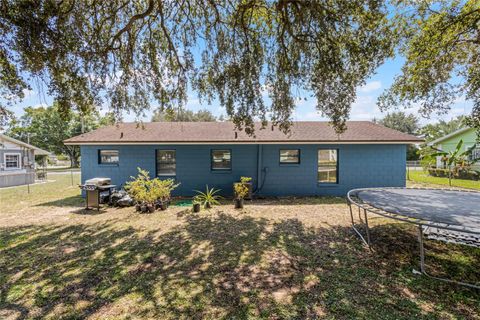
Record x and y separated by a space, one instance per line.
108 156
221 160
439 162
166 163
475 154
12 161
327 166
289 156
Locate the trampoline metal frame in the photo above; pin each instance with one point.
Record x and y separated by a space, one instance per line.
353 199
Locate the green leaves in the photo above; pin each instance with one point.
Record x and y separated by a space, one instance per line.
130 54
401 121
441 40
209 197
47 127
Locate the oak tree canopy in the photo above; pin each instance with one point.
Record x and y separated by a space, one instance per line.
130 54
440 40
133 53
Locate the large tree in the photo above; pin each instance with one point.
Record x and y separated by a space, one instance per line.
441 128
46 128
401 121
183 115
407 123
442 50
131 53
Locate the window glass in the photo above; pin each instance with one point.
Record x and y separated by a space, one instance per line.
108 156
166 163
290 156
327 166
12 161
475 155
221 160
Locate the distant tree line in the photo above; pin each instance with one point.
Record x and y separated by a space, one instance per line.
47 127
185 115
409 123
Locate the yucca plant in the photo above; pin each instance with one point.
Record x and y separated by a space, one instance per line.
208 198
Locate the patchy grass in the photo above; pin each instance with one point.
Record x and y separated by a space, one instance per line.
422 177
276 259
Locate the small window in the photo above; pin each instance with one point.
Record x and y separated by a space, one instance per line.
107 156
166 163
221 160
475 154
12 161
327 166
290 156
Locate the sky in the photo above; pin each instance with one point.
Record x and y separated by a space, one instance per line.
364 108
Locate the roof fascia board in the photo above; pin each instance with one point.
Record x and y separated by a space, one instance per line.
23 144
239 142
448 136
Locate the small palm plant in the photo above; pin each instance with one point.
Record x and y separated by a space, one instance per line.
454 157
208 198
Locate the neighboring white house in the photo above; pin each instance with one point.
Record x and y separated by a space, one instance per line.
17 161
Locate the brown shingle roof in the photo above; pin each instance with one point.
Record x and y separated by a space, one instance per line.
223 132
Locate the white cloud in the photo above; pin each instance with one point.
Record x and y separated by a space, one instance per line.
28 93
365 108
40 105
370 86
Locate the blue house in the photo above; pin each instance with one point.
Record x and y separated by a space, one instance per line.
311 160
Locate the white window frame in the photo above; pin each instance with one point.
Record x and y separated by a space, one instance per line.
12 154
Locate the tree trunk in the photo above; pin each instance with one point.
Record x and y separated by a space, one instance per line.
73 161
450 176
73 154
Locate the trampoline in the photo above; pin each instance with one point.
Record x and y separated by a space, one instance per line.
452 214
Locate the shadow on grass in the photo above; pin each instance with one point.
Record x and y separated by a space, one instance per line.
294 200
214 266
72 201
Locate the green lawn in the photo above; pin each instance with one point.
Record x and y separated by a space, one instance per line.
289 258
422 177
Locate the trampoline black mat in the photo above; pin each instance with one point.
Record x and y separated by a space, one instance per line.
439 206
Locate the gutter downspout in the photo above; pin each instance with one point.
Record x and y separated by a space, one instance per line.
259 165
260 179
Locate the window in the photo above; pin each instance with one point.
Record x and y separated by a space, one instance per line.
108 156
221 160
327 166
12 161
166 163
475 154
290 156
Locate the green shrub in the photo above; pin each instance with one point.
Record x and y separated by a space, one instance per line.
462 173
473 175
145 190
441 172
242 188
432 172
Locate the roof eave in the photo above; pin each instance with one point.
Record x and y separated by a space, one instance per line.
448 136
26 145
79 143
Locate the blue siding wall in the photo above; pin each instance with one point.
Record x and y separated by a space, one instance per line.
359 166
